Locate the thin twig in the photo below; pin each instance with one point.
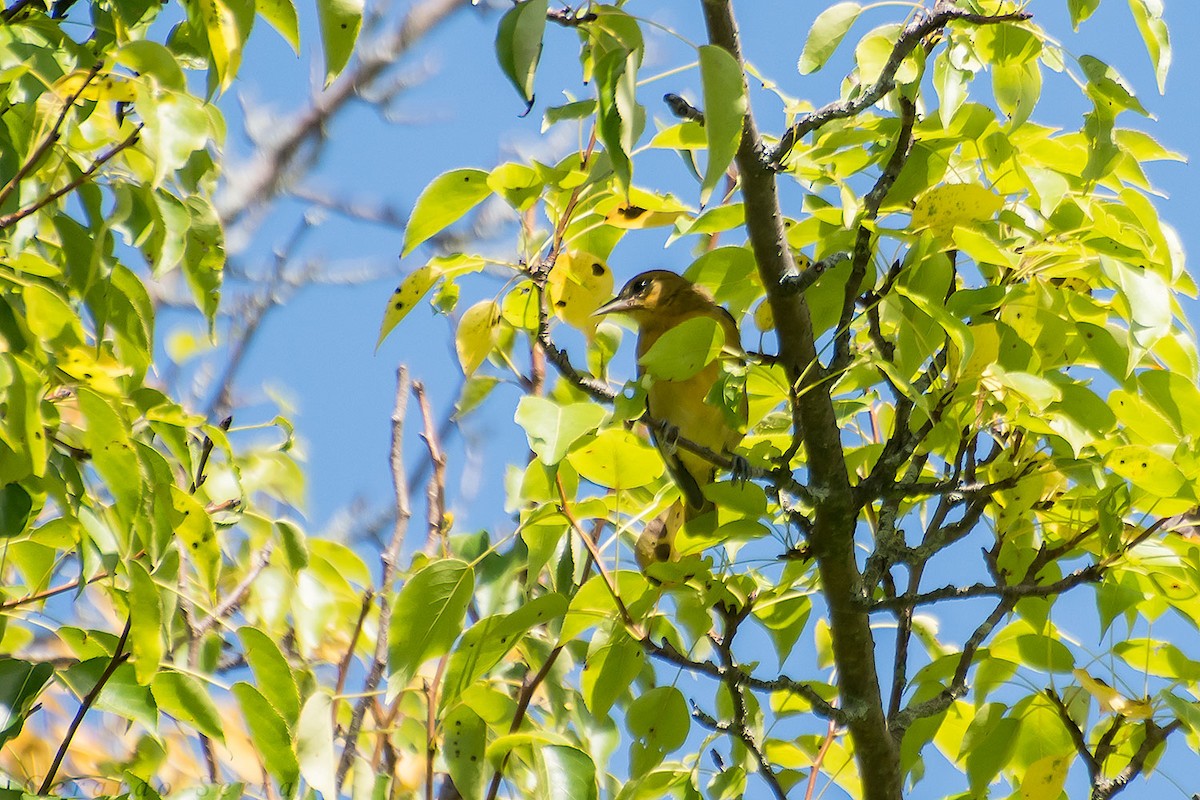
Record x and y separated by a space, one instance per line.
862 242
924 24
51 592
820 706
1089 574
605 575
830 735
51 137
1077 737
389 559
436 490
8 220
236 597
119 657
1155 736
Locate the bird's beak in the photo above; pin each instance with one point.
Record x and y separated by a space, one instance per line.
616 306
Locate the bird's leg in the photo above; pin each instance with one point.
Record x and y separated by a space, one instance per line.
668 436
739 468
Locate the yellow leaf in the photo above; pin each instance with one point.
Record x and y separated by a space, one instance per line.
943 207
643 210
579 284
1111 701
764 317
103 87
477 334
1045 778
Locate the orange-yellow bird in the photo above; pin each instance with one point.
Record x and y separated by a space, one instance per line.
657 301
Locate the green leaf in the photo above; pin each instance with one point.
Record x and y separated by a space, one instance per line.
826 33
659 721
418 283
1158 658
1017 88
443 202
553 428
617 459
270 734
121 695
20 684
724 111
1081 10
1148 15
314 744
519 45
1108 88
478 333
486 642
616 110
784 618
610 670
427 617
227 25
272 673
184 698
15 508
281 15
145 625
464 750
195 530
685 349
340 23
1146 469
566 773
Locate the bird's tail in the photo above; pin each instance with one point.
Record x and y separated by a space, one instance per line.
656 544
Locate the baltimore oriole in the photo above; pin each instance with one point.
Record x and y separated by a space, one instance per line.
657 301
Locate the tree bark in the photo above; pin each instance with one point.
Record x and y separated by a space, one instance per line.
836 514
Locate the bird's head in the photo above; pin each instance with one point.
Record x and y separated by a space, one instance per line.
654 294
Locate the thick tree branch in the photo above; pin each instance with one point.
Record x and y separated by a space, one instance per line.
923 24
1155 735
836 515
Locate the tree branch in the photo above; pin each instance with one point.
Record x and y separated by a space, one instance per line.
8 220
922 25
862 242
119 657
389 560
836 515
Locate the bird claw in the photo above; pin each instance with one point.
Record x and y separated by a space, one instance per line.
739 469
668 436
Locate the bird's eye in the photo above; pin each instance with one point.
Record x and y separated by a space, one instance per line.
640 285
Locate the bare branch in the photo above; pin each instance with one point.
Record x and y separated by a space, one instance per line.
1155 736
389 560
436 490
821 707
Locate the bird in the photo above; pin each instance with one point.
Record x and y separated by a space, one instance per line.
657 301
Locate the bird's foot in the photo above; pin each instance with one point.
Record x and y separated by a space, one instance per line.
739 468
668 436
